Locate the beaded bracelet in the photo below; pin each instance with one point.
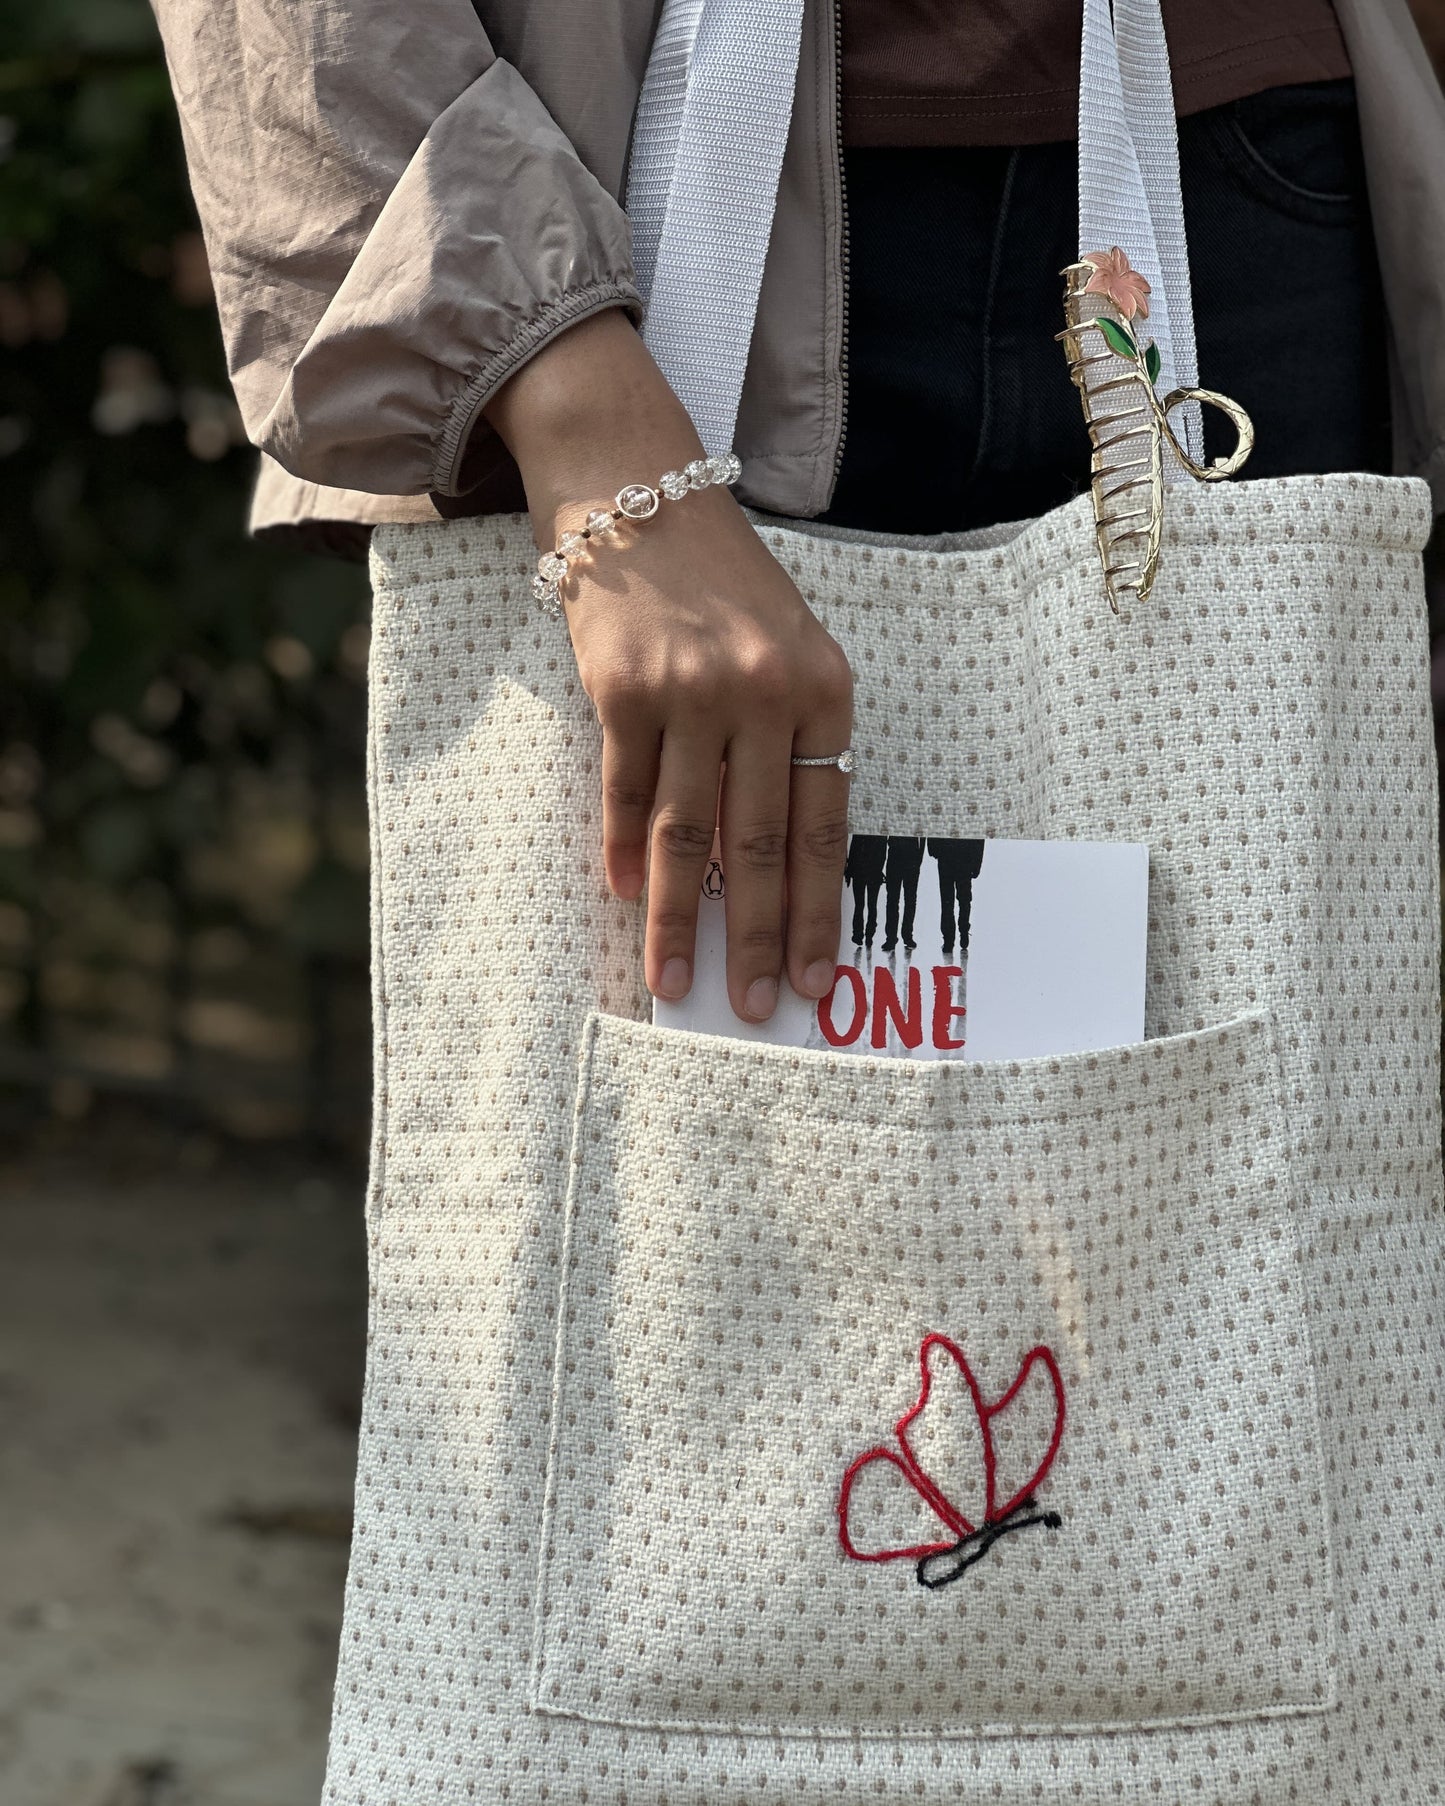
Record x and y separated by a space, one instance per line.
637 501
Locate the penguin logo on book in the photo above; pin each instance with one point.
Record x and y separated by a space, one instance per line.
961 1473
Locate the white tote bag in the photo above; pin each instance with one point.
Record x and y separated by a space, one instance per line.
746 1424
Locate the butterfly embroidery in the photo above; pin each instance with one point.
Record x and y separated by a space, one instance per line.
951 1461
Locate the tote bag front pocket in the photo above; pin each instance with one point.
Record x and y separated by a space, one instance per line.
931 1399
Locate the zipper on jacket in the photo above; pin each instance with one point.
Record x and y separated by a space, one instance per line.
842 239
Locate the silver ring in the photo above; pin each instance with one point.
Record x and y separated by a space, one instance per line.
845 760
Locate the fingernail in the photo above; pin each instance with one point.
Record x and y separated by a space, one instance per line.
675 979
762 998
818 978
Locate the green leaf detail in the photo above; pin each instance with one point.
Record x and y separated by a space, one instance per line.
1151 361
1119 337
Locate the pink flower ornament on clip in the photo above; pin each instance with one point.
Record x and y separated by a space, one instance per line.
1118 282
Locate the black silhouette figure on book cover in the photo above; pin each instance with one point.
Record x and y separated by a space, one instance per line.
867 854
900 884
959 863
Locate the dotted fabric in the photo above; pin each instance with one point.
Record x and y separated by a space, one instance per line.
628 1329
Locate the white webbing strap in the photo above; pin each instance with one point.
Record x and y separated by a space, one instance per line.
712 122
702 186
1129 184
657 132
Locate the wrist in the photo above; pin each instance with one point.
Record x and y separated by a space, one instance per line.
588 414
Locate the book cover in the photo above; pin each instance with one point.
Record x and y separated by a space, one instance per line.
957 949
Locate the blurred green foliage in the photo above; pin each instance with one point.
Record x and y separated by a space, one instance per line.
182 833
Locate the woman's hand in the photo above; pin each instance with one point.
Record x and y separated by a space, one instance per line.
707 671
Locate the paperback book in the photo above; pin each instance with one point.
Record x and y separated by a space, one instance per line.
957 949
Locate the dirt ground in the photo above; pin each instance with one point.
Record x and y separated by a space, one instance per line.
181 1345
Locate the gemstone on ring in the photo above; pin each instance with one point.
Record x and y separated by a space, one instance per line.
845 761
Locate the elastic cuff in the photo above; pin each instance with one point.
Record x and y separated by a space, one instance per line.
566 311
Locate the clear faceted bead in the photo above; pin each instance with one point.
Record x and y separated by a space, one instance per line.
552 567
570 545
674 485
697 473
717 470
732 467
637 501
600 521
547 594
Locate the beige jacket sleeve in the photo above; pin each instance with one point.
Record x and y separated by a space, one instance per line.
394 222
1402 124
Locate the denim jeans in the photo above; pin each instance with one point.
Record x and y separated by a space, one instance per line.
960 408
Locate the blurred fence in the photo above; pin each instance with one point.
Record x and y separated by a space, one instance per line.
182 814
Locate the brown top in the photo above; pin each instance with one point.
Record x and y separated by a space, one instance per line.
920 72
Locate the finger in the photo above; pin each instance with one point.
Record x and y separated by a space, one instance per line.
817 852
630 761
683 826
754 857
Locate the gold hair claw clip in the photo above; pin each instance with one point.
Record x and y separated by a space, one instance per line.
1128 421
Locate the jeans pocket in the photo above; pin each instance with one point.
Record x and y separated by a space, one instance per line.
1297 149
